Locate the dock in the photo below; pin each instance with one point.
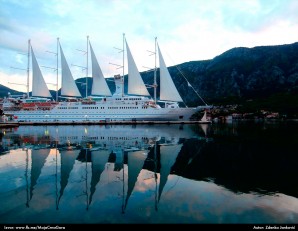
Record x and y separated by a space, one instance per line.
16 124
9 125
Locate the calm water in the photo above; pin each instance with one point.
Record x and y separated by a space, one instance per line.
243 173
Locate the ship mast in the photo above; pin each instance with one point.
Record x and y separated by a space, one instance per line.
57 67
121 78
28 68
155 84
123 66
87 67
26 177
57 70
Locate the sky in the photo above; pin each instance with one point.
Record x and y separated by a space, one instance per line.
186 30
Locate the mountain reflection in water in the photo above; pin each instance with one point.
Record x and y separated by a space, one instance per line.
150 174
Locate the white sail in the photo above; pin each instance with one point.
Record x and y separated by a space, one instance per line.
136 84
99 86
168 90
69 87
168 155
39 86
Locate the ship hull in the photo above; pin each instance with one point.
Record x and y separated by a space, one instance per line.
80 113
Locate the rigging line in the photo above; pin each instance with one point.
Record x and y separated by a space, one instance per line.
189 85
184 104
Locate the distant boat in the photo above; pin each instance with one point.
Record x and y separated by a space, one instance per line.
137 104
204 119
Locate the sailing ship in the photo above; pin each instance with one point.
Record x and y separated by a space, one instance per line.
101 105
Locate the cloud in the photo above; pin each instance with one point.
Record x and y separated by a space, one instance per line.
15 80
20 58
186 30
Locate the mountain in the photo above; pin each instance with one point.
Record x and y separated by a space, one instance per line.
246 73
5 90
263 77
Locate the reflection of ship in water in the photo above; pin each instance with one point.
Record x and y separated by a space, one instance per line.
33 169
135 162
68 137
161 160
243 161
38 157
35 161
158 158
3 149
132 156
156 154
99 159
128 149
68 158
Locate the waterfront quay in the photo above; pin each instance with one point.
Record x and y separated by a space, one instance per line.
15 124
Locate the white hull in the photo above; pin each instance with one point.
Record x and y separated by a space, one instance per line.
65 112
